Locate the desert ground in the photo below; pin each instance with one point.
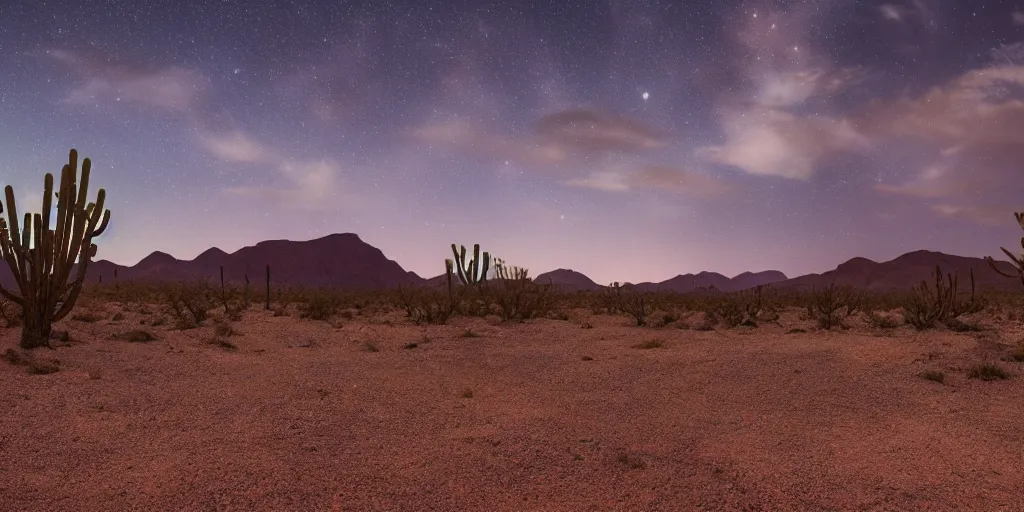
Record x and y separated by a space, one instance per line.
376 413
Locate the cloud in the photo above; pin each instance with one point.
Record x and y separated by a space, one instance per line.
982 106
771 142
235 146
480 140
978 214
974 127
307 184
556 138
652 177
594 132
171 87
310 185
891 12
1017 17
778 122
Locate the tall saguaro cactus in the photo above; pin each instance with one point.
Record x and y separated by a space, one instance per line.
1018 261
41 258
471 271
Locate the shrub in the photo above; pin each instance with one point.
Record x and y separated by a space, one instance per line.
190 303
627 299
135 336
832 305
987 371
647 345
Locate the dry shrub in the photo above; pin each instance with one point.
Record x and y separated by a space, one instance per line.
10 313
135 336
87 317
832 305
319 305
426 306
627 299
33 364
521 299
190 303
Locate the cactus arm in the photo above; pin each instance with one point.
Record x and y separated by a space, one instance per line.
992 263
476 264
7 251
459 258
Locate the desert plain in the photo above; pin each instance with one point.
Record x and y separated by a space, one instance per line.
582 411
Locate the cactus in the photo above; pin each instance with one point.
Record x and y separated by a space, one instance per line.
42 259
1018 261
470 271
507 273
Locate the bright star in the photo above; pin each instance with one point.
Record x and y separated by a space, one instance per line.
645 95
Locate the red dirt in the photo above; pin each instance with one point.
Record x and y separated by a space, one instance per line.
302 416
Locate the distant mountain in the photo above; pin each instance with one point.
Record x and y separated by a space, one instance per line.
339 260
705 280
567 280
345 261
908 271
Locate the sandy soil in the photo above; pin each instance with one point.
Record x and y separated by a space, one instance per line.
538 416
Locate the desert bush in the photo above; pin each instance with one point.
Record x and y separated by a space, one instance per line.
319 305
647 345
224 328
134 336
236 300
880 321
987 371
832 305
87 317
934 376
521 299
218 341
630 301
926 306
1017 355
10 313
426 306
34 365
190 303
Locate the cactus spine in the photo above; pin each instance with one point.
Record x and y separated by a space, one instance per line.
1018 261
471 271
42 259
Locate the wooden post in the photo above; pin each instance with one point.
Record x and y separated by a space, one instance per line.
222 280
268 286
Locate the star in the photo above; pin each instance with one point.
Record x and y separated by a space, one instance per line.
645 95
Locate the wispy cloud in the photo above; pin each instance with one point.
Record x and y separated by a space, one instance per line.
652 177
1017 17
307 184
311 185
975 122
236 146
481 140
102 79
555 138
596 132
772 142
988 215
891 12
767 126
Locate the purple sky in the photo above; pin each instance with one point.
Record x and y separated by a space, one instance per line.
629 140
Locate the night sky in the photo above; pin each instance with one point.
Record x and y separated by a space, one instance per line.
629 140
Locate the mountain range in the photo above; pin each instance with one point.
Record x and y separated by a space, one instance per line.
346 261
